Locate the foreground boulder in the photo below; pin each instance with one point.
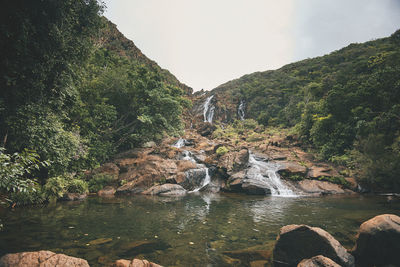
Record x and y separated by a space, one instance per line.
135 263
318 261
298 242
378 241
41 258
165 190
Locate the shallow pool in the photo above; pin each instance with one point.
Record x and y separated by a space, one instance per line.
195 230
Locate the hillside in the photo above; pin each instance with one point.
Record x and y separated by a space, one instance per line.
113 40
346 105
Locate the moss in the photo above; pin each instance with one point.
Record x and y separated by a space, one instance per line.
221 151
340 180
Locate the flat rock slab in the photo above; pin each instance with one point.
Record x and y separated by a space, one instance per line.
319 187
43 258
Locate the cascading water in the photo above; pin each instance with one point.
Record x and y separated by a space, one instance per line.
201 168
180 143
208 111
241 109
267 173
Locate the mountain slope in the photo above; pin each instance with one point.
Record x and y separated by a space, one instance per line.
113 40
345 104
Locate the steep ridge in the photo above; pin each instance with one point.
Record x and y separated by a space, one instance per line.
113 40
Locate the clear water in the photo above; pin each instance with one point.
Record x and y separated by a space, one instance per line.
194 230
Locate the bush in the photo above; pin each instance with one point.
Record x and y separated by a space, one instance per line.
34 195
99 181
77 186
221 151
55 187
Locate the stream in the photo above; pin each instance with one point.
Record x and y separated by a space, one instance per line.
193 230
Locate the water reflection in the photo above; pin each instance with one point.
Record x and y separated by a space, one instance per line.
193 230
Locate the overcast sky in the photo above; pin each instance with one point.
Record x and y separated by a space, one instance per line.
205 43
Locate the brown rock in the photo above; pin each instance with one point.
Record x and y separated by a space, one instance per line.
107 191
298 242
108 168
74 196
184 165
234 160
378 241
41 258
318 261
316 172
165 190
291 167
319 187
135 263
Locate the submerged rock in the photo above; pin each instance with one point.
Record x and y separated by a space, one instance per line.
40 259
107 191
318 261
74 196
134 263
165 190
298 242
378 241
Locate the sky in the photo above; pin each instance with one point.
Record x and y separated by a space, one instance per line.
205 43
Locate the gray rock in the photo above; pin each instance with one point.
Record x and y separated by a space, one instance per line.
298 242
165 190
378 241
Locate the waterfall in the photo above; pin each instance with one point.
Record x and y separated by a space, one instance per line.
197 174
206 181
267 173
241 109
208 112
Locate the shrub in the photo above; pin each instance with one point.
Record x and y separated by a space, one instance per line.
55 187
221 151
77 186
34 195
99 181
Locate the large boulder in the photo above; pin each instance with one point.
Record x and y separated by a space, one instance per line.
135 263
318 261
298 242
378 241
41 258
234 161
165 190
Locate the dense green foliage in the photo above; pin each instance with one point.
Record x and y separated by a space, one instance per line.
74 90
345 104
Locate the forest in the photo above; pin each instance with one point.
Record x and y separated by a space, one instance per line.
71 97
345 106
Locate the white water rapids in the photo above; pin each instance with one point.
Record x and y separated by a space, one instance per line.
187 155
267 173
